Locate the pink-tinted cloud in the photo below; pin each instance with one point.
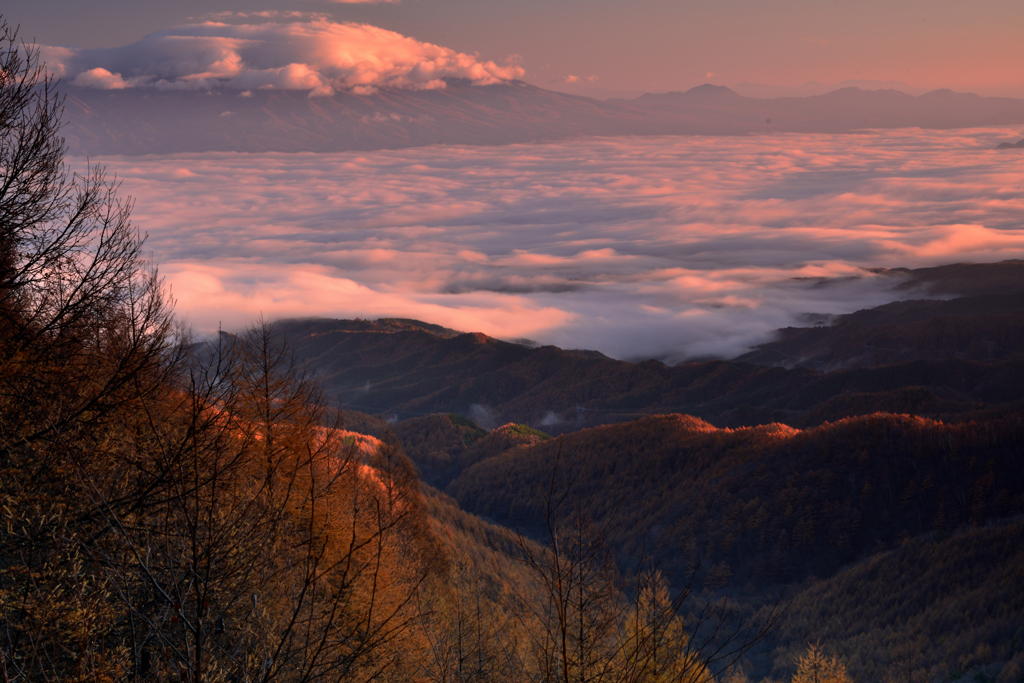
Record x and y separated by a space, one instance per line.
101 79
301 290
667 247
317 55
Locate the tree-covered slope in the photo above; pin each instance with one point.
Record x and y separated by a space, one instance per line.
761 505
414 373
934 607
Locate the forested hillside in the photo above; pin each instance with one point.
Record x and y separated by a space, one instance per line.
442 446
762 505
744 512
980 317
896 539
940 358
934 608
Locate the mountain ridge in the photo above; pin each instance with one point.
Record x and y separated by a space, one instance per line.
943 357
149 121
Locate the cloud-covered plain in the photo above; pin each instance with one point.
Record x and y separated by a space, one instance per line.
318 55
671 247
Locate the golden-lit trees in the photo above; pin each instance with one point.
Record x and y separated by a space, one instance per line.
658 645
573 628
266 548
815 666
467 635
226 531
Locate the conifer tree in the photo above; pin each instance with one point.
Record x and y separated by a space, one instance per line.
815 666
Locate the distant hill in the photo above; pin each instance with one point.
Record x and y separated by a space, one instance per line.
983 322
414 373
895 538
933 357
146 121
885 529
443 446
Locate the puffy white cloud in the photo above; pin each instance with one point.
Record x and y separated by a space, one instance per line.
101 79
317 55
667 247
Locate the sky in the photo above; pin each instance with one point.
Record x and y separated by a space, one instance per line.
664 247
619 46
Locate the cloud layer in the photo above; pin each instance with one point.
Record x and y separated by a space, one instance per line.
319 55
670 247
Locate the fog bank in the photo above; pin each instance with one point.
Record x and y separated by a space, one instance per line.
667 247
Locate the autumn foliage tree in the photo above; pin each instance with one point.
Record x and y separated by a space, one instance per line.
268 546
169 509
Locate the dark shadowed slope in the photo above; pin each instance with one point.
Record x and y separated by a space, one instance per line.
924 356
984 322
945 607
854 517
442 446
412 373
766 504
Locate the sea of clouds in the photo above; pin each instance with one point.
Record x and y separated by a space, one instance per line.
665 247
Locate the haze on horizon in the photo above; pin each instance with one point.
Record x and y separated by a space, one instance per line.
611 46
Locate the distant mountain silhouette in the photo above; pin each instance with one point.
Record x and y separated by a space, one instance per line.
706 94
148 121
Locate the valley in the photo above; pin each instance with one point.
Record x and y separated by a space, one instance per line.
272 407
882 460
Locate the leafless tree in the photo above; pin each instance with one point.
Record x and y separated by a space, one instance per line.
269 550
467 635
83 318
165 516
86 330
